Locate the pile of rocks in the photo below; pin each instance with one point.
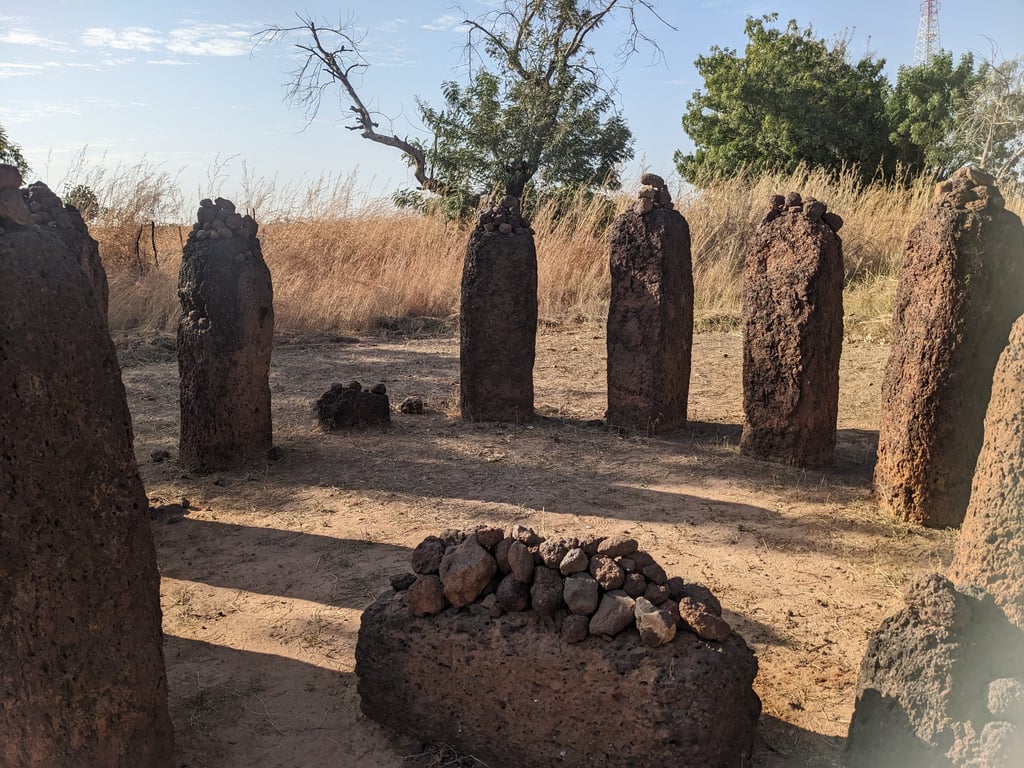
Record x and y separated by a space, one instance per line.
350 405
218 219
793 203
969 189
504 216
653 194
588 586
35 205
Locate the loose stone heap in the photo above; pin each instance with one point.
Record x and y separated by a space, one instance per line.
989 550
941 685
225 339
498 317
960 289
511 648
650 314
792 333
81 662
38 205
349 405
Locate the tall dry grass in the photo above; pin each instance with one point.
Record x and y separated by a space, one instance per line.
338 267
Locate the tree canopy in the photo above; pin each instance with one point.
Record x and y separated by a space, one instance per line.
10 153
537 109
791 98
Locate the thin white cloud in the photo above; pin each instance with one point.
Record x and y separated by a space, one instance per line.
444 23
117 62
123 39
19 36
211 40
9 69
172 63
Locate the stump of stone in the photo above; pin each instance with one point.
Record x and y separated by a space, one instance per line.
225 340
81 662
940 685
960 289
345 406
792 335
650 320
525 651
989 551
498 318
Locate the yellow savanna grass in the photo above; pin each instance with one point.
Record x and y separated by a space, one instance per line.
344 269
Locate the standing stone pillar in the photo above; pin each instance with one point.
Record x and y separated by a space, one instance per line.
650 314
498 317
225 340
82 677
960 289
990 546
792 334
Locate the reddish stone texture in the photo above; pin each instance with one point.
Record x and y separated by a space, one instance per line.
960 289
498 325
650 321
990 547
82 677
225 340
793 335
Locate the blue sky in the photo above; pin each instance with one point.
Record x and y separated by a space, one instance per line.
180 85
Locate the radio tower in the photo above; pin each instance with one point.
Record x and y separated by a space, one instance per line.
927 33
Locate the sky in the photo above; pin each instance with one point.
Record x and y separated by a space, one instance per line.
180 87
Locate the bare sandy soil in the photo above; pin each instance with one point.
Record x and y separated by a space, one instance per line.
264 578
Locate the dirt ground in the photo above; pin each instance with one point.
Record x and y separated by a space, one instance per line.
265 576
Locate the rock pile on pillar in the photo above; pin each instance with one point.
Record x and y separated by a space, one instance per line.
81 661
960 289
792 333
498 317
225 340
650 313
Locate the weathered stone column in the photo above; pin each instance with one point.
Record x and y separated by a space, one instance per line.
225 340
82 677
792 334
498 317
650 314
960 289
990 547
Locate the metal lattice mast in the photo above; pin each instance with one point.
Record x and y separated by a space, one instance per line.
927 32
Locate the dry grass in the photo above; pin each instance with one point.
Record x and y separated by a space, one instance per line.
340 268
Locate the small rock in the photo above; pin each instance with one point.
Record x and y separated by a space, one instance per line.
617 546
426 596
513 595
552 552
412 406
465 571
614 614
426 558
581 593
655 573
10 177
1006 700
402 582
656 626
652 180
656 593
575 628
703 595
575 561
546 593
379 389
526 535
159 456
520 562
607 572
501 554
702 622
635 584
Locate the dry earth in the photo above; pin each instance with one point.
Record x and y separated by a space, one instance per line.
264 578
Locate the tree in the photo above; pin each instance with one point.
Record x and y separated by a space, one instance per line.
791 99
921 110
989 126
10 153
84 199
537 107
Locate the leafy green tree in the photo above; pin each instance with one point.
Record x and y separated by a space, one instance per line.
84 199
922 108
10 153
790 99
537 110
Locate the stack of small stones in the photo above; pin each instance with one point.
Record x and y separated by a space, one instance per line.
505 217
585 586
653 194
970 189
815 210
218 219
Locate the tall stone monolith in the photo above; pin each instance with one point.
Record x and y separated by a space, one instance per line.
82 676
650 314
990 546
498 317
225 341
792 334
960 289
